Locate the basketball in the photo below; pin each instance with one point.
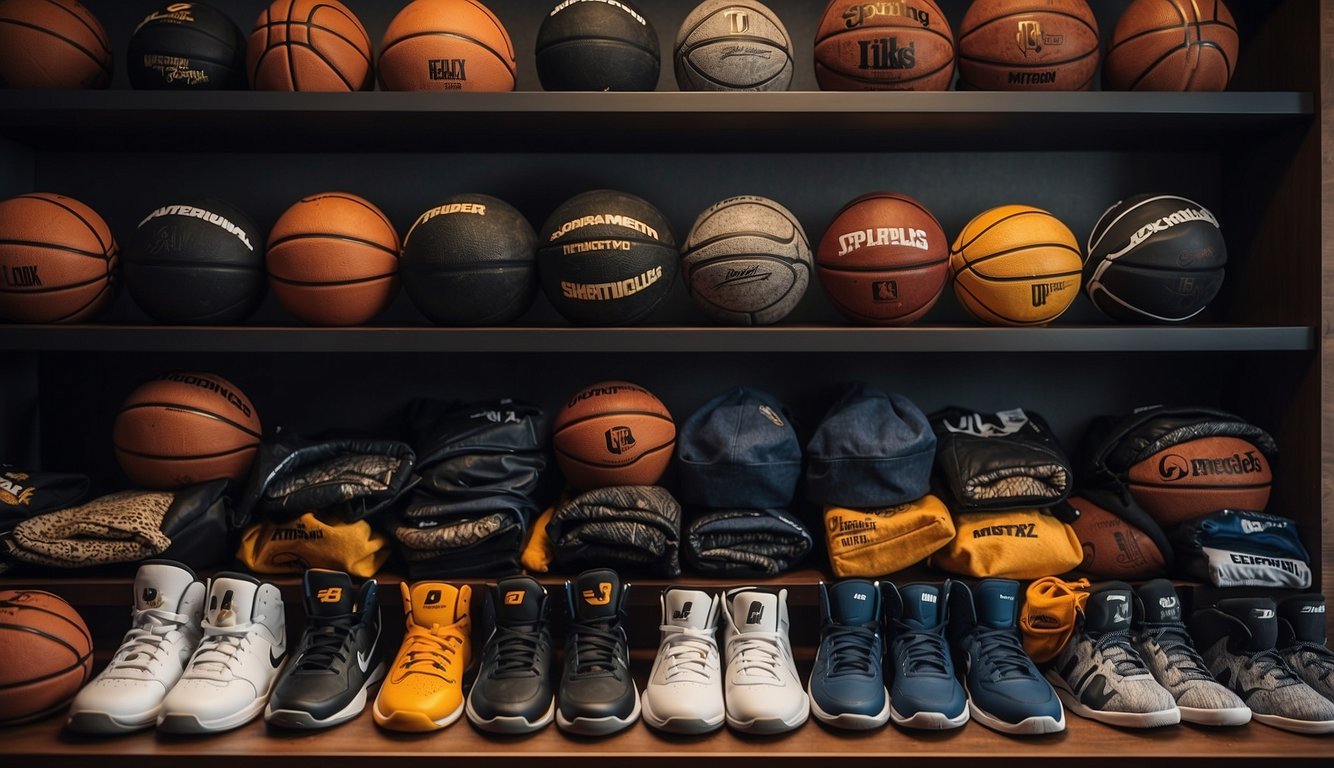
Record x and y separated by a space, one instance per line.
184 428
52 44
332 259
58 259
187 47
606 258
471 260
613 433
594 45
1016 265
1172 45
49 653
1113 548
733 45
1029 45
309 45
196 261
746 261
1199 477
446 45
1155 259
904 46
883 260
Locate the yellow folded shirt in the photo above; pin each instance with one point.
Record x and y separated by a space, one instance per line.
292 546
1019 544
876 542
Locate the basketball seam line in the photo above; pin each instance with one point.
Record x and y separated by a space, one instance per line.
1054 12
886 27
682 35
101 35
883 81
47 611
1201 44
331 283
926 306
79 662
347 14
510 66
1245 487
1042 65
766 204
500 27
889 196
1027 211
1184 26
789 263
36 631
787 69
196 411
105 258
599 38
1000 319
333 236
351 198
193 457
584 419
1018 248
1022 278
54 289
686 50
106 246
72 44
602 465
740 233
883 267
291 62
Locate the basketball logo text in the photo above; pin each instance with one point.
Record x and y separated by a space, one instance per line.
211 385
329 594
1031 38
599 596
1042 291
870 238
859 14
21 277
514 598
751 274
619 440
1174 467
885 53
884 290
609 291
453 72
174 69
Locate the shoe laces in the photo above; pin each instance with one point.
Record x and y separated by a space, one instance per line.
756 654
1315 656
516 650
143 645
851 650
431 651
1116 647
1180 652
1271 667
924 652
687 651
596 648
1001 655
218 651
326 642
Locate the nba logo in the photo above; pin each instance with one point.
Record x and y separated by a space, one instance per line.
620 440
1029 37
884 290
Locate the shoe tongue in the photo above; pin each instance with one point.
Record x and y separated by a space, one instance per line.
597 595
997 603
1160 602
687 608
1109 608
231 598
328 593
433 602
519 600
755 611
922 606
161 585
1260 617
1306 614
853 603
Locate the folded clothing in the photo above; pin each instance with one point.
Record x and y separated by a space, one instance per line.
635 528
482 545
1047 617
999 461
870 543
308 541
345 479
738 451
480 448
1242 548
26 493
1016 544
746 542
121 527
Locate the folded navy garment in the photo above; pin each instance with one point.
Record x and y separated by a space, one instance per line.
1242 548
634 528
746 542
738 450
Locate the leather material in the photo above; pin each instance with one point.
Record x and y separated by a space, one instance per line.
348 479
999 461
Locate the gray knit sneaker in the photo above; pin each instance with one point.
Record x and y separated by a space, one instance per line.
1301 641
1161 638
1236 639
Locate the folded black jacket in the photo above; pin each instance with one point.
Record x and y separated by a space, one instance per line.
636 528
746 542
346 479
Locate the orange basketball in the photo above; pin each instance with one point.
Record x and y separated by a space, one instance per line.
58 259
613 433
48 654
884 259
1029 45
309 45
1197 478
905 46
1016 265
184 428
446 45
52 44
1172 45
333 259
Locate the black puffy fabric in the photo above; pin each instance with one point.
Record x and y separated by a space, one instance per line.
485 545
999 461
26 493
746 542
634 528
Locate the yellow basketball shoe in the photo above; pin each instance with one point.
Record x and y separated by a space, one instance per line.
424 688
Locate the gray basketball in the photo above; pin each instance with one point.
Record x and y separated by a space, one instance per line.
746 261
733 45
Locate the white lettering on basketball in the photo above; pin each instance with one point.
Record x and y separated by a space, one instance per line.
199 213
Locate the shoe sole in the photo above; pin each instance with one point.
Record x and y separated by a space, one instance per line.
687 726
1158 719
105 723
767 725
1295 726
928 721
1029 726
189 722
301 720
851 721
410 721
511 725
1218 717
597 726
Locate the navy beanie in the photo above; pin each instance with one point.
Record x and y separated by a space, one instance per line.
873 449
738 450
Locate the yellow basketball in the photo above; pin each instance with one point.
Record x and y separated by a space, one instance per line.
1016 265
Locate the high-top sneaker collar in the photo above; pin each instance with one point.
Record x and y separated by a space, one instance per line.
162 584
853 602
923 605
688 609
596 596
755 610
231 600
1159 602
328 593
997 603
520 601
1303 620
1260 617
1110 608
435 603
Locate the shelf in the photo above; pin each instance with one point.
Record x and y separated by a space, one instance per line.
659 121
786 339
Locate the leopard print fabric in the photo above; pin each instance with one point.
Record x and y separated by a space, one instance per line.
117 528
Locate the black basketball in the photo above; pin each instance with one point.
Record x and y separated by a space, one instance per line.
595 45
1155 259
187 47
733 45
471 260
607 258
196 260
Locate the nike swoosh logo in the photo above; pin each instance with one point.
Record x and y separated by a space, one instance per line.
276 661
364 661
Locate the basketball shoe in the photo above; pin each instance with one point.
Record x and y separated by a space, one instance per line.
1302 642
847 683
513 692
339 657
423 690
232 672
924 691
164 631
597 695
685 688
761 690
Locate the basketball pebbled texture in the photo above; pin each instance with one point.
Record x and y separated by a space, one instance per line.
52 44
607 258
1029 45
884 46
1196 478
733 45
613 433
471 260
184 428
58 260
309 45
1156 259
196 260
1172 45
746 261
1016 265
186 47
49 654
1113 548
446 45
594 45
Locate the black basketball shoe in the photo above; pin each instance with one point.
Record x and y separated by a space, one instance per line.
339 658
513 692
597 695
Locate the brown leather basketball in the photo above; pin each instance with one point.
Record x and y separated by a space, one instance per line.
52 44
906 46
1196 478
884 259
309 45
446 45
1172 45
1113 548
48 654
58 259
1028 45
333 259
613 433
184 428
